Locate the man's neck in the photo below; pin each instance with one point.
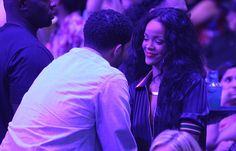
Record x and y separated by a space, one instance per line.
23 23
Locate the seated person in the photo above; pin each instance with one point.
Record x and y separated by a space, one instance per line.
174 140
222 135
227 75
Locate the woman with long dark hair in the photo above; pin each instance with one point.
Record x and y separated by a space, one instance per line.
173 94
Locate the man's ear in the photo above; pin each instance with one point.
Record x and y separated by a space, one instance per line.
117 50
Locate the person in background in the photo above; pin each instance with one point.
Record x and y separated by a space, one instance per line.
222 48
69 30
174 140
221 136
80 101
207 17
117 5
173 94
227 76
22 56
200 7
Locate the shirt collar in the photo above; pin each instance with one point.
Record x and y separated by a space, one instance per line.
145 80
93 50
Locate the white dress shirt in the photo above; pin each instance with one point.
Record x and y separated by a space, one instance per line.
78 102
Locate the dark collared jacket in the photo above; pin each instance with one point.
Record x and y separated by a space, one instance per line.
180 100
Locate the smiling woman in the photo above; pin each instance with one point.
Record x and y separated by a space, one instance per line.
173 94
153 42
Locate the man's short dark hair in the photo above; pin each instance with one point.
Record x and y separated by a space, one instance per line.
107 28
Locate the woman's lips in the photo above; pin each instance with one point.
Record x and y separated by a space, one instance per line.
149 54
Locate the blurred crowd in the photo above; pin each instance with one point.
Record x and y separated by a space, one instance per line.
215 22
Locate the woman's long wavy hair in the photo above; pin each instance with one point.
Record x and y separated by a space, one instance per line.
182 46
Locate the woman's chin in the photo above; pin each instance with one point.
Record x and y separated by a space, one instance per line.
149 63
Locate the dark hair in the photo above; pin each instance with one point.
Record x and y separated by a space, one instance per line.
224 67
182 46
136 11
107 28
133 69
74 5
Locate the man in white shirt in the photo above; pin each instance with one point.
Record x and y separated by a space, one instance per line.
79 101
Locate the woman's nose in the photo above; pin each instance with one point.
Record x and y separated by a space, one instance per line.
149 44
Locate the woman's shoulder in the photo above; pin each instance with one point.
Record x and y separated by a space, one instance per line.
182 81
137 83
184 73
196 76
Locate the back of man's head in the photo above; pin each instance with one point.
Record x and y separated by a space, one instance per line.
106 29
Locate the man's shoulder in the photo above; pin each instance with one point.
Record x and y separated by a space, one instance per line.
112 74
14 30
114 79
17 36
19 40
101 65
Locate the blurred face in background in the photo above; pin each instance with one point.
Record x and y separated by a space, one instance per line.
228 83
231 19
153 43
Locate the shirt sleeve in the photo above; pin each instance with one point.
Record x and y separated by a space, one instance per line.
23 68
113 116
195 109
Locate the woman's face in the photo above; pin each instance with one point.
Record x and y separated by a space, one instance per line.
228 83
153 42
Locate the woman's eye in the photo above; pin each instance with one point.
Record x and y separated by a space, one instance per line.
159 41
